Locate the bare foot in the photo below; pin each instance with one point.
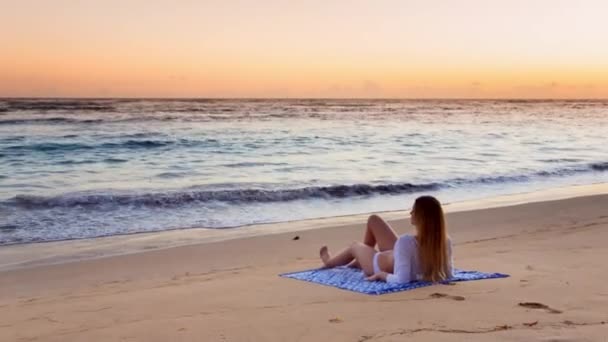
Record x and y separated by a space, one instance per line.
324 254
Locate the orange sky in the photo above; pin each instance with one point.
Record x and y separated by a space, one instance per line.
223 48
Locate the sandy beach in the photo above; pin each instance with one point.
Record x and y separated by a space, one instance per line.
178 170
555 252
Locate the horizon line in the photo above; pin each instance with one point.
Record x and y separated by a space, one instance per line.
308 98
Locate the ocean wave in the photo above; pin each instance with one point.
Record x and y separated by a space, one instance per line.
176 174
145 117
52 120
182 197
127 144
115 160
174 198
599 166
561 160
48 105
252 164
75 162
13 139
489 180
7 228
557 172
48 147
92 161
566 171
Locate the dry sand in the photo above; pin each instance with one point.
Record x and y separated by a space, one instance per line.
555 251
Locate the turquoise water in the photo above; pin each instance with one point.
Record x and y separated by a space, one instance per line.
87 168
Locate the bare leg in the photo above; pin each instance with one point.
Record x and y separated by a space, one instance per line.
354 264
361 253
380 232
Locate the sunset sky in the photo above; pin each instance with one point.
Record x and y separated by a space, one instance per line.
223 48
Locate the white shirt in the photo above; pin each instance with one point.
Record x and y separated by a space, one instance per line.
407 264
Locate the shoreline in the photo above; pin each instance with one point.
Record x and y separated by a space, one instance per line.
229 290
16 256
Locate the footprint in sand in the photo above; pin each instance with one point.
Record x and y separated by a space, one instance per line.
443 295
534 305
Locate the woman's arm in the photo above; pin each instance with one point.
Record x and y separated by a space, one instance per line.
402 271
378 276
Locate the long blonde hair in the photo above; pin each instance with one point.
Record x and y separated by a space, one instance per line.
432 238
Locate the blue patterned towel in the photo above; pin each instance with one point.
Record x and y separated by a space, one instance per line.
353 279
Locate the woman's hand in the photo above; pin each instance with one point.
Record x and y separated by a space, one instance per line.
377 276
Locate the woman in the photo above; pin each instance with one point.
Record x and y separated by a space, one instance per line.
424 256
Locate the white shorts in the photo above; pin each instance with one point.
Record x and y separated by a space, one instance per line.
376 265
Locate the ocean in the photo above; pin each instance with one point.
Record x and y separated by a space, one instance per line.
72 169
